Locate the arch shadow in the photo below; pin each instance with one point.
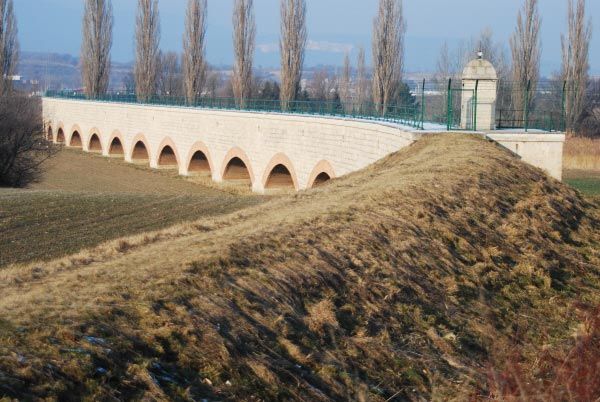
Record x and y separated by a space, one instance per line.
139 150
75 140
321 173
168 156
199 160
60 136
116 145
280 173
236 166
94 144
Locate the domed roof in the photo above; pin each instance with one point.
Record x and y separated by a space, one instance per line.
479 69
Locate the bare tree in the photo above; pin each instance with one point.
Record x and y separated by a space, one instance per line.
9 45
244 33
526 51
194 59
450 63
171 80
322 85
575 63
214 81
23 146
292 45
147 53
345 85
589 123
128 82
95 46
389 29
492 50
147 63
362 81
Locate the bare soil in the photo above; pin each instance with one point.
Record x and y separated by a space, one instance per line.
84 200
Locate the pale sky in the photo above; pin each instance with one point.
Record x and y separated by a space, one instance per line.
334 26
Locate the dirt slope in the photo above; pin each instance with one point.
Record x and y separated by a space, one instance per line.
398 282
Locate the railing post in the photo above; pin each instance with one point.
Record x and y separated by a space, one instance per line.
449 104
423 105
527 89
475 106
563 108
500 121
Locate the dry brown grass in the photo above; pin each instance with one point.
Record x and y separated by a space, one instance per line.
394 282
582 154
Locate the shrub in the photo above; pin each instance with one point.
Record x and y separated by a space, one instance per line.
23 147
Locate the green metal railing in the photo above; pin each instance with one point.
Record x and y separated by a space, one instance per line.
408 115
441 105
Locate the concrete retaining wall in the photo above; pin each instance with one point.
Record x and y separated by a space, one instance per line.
543 150
306 145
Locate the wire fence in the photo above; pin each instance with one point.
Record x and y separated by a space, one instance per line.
426 105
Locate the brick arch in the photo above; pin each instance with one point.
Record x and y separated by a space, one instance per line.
321 167
115 134
199 146
237 152
280 159
74 129
140 138
167 142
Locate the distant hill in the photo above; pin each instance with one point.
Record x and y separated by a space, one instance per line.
62 71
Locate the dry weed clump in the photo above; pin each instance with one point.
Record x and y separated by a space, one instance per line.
321 318
395 283
582 154
569 371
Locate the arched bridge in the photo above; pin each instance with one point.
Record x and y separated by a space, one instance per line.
264 149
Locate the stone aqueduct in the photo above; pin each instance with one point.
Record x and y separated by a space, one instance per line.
263 149
267 150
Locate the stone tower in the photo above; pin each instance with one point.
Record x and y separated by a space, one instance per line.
479 91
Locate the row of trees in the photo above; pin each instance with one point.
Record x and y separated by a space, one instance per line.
525 50
388 51
155 72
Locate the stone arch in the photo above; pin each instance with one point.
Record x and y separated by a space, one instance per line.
60 134
94 144
167 155
116 145
199 160
50 134
140 151
322 172
280 173
74 135
234 164
93 136
75 141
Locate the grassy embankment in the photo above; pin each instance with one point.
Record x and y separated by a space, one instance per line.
582 165
404 281
84 200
